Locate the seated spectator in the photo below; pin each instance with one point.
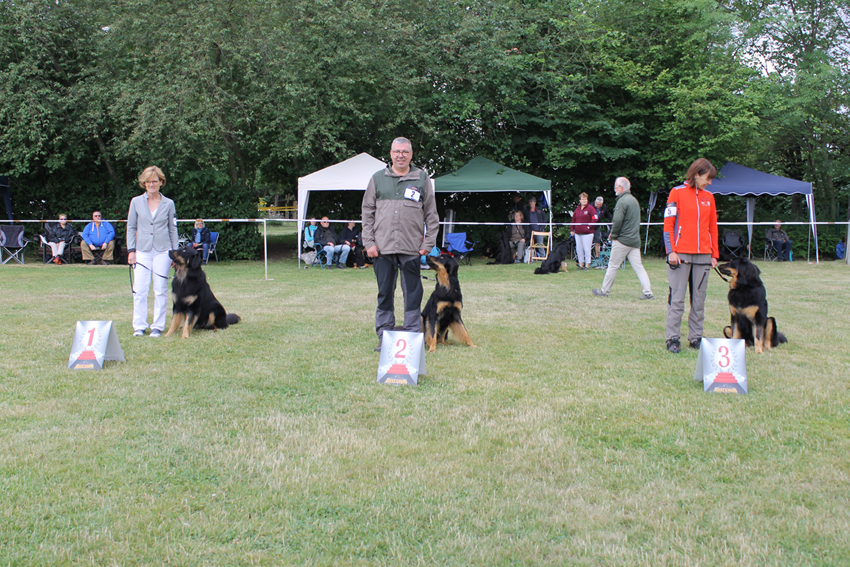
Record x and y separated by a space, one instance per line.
202 238
781 242
600 234
840 249
98 235
351 237
57 236
309 234
519 236
327 238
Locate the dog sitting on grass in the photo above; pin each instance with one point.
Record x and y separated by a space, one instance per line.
442 311
195 306
748 306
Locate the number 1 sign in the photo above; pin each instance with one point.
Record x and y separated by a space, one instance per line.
402 358
94 342
722 366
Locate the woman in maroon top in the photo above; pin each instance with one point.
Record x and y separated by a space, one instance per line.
584 221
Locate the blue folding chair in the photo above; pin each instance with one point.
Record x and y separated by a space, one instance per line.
460 247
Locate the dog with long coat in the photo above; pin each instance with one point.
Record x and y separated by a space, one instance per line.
556 261
748 307
194 304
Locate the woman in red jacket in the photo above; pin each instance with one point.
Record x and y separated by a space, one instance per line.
690 237
584 224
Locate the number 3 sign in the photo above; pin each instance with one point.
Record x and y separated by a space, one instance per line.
94 342
402 358
722 366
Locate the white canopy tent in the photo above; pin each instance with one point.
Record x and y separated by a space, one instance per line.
351 174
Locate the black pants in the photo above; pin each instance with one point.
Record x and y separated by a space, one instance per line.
387 268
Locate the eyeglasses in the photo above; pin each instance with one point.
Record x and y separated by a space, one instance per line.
403 153
97 216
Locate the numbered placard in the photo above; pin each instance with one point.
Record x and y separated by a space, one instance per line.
722 366
402 358
94 343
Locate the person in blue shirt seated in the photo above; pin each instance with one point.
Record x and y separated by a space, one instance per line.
202 238
98 235
840 249
309 234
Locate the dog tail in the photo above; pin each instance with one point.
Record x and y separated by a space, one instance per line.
772 330
233 318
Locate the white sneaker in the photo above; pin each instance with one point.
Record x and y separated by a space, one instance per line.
139 333
156 333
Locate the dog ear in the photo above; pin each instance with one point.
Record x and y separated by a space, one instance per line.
195 262
748 273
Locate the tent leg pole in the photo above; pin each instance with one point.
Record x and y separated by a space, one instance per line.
266 246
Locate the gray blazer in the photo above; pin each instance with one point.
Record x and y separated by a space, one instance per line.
146 233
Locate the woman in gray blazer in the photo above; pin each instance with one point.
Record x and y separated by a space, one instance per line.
151 235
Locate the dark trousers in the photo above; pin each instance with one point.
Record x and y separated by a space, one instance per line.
387 268
783 249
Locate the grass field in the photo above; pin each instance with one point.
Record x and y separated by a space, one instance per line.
569 437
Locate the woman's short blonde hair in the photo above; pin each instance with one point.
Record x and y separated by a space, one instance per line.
149 173
199 223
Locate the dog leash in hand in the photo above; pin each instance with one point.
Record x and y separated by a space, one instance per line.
132 267
676 266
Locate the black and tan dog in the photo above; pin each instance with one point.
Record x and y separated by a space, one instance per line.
194 302
748 305
442 311
556 261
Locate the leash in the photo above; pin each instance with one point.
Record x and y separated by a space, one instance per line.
132 267
676 266
719 273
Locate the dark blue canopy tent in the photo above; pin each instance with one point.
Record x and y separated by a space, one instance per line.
734 179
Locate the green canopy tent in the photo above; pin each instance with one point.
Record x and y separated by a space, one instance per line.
484 175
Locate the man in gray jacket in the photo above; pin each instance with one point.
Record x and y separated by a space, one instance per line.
400 225
625 238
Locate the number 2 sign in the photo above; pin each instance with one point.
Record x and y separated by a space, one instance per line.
402 358
722 366
94 343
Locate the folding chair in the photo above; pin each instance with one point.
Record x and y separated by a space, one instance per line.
733 243
213 243
13 243
541 247
605 257
769 251
320 261
460 247
46 251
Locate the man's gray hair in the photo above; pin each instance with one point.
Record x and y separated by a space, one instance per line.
624 183
402 141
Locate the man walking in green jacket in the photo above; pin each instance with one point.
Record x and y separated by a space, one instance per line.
625 238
